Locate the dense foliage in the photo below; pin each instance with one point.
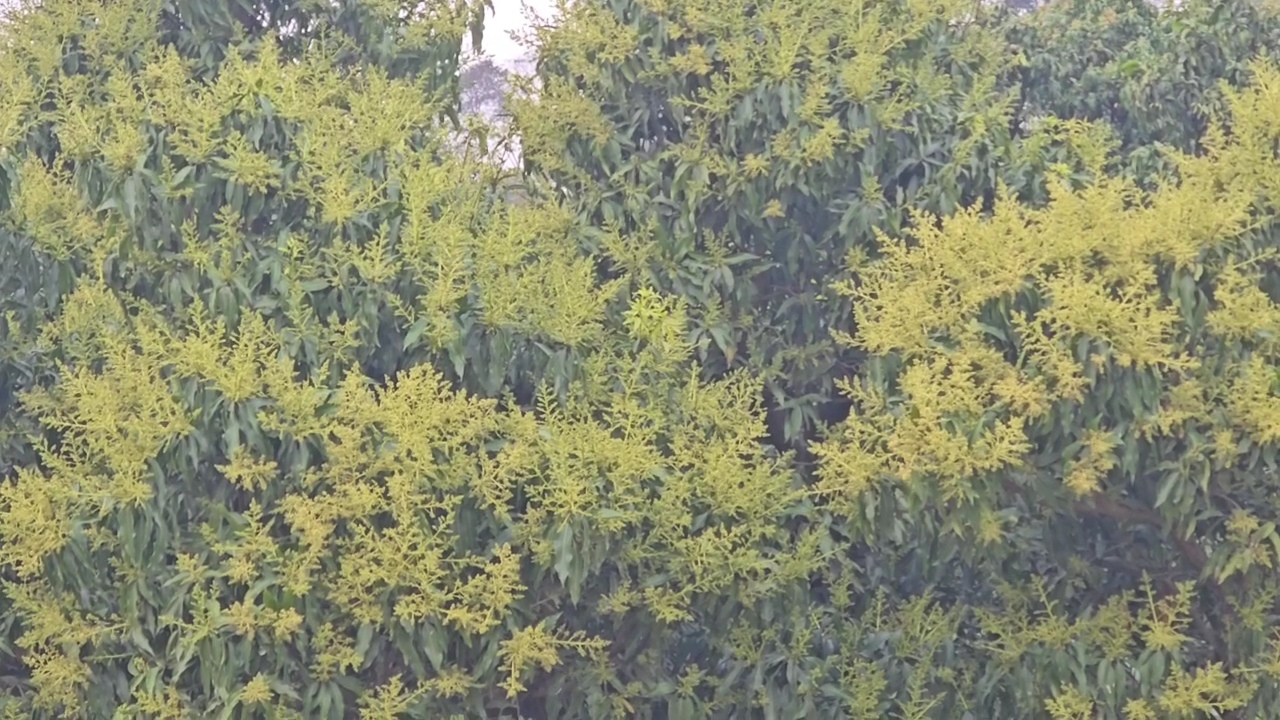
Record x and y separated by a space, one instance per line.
744 151
894 358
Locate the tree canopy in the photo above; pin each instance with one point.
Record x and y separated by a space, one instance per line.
891 358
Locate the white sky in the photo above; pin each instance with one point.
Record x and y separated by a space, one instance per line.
509 15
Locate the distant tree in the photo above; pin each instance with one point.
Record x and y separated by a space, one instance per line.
484 86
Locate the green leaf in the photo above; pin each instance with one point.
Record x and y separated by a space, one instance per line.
415 333
564 552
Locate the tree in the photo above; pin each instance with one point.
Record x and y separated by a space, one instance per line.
1083 395
195 41
289 426
1152 74
304 418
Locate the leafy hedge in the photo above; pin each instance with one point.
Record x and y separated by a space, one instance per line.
895 358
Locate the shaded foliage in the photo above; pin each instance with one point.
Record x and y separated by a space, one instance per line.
1152 75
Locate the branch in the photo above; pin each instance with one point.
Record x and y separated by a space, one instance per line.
1100 503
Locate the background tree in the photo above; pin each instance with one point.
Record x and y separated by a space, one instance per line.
484 88
1151 73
